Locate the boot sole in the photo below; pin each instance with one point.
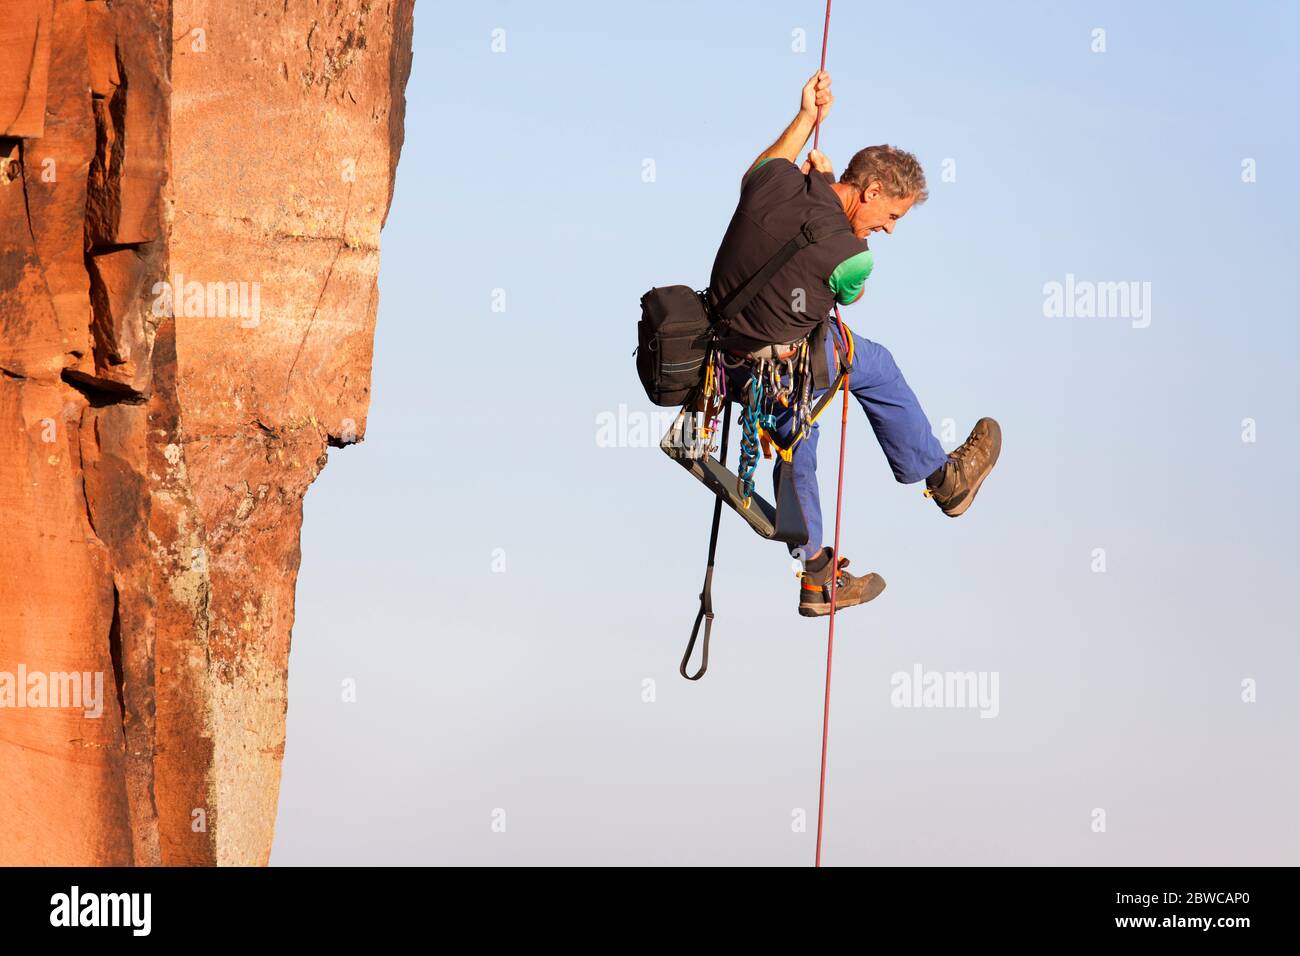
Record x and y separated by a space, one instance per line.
824 610
995 431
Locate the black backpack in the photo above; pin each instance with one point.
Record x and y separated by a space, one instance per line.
678 325
673 338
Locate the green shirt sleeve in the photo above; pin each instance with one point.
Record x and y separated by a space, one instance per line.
850 276
744 181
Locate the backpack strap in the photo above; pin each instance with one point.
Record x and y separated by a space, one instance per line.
812 231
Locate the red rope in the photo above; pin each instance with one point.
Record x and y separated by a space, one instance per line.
826 33
830 637
839 498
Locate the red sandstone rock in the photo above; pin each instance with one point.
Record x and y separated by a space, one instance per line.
191 195
24 67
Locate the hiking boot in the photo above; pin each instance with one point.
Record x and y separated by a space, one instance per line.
815 587
953 485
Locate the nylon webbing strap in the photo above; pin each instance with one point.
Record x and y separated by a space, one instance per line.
705 615
813 231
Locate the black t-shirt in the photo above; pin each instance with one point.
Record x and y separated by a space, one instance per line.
776 199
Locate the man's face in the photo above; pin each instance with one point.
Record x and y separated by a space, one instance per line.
878 211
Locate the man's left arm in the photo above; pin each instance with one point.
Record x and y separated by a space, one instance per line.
815 103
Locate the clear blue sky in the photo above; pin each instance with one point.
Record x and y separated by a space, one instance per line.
523 690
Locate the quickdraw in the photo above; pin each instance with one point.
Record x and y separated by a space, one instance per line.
754 421
691 438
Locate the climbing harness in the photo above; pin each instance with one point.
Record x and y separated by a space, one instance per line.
684 441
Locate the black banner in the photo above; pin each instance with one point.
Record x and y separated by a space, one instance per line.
1166 906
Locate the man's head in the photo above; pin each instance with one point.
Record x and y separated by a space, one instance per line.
879 186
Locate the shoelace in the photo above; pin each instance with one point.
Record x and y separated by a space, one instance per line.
959 457
962 453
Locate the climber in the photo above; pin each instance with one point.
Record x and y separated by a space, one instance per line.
878 188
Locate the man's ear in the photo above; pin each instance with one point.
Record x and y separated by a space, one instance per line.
872 191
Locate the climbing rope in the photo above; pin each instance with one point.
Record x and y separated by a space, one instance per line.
839 497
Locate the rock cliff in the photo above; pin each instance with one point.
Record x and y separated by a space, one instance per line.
191 198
